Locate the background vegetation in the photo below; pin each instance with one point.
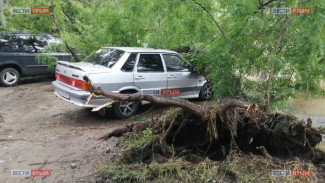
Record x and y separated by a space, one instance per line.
240 44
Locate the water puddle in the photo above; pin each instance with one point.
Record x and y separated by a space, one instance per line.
315 106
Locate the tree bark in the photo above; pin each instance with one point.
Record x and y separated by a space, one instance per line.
275 52
196 109
2 16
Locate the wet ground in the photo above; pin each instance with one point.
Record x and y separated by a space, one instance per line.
313 108
40 131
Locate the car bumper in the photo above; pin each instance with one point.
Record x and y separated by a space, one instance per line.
77 97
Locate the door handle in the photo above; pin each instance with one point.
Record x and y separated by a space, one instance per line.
139 77
171 76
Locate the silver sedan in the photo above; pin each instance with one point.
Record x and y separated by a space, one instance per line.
162 73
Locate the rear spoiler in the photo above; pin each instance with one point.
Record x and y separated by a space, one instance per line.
68 65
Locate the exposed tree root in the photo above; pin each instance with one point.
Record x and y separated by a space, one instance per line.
133 127
217 131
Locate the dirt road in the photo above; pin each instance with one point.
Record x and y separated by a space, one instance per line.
40 131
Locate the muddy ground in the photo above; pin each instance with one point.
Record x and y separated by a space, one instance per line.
40 131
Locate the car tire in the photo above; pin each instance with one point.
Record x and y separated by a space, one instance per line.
9 77
206 91
125 109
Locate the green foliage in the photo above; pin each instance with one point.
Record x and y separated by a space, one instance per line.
147 133
321 128
139 118
55 47
138 140
246 50
47 59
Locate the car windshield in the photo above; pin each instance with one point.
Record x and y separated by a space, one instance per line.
106 57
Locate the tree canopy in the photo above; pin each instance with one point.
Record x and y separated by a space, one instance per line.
241 45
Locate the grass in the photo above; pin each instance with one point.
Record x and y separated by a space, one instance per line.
137 140
321 128
139 118
321 146
237 168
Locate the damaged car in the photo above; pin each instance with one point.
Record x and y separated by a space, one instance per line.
158 72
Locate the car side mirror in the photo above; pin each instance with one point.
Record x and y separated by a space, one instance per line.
193 69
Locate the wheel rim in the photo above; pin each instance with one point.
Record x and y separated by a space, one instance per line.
127 108
207 91
9 77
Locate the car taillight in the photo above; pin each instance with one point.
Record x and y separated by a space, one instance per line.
83 85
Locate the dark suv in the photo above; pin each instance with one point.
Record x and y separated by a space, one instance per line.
18 53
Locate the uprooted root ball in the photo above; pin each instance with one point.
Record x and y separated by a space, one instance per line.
233 127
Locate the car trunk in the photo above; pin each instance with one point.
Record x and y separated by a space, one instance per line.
72 73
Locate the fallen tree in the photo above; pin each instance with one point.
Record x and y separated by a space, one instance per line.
214 132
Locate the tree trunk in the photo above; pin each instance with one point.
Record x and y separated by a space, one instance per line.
276 51
2 16
196 109
58 27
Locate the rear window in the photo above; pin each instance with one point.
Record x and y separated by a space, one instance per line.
106 57
129 63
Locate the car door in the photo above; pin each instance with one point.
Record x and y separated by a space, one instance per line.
29 47
179 76
150 75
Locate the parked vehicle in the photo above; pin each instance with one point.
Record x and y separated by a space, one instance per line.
158 72
18 56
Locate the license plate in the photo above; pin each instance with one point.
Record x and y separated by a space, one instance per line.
64 94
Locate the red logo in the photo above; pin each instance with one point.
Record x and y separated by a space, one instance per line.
300 11
40 173
170 92
301 173
37 10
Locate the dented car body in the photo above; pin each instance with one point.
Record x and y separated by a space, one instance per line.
150 71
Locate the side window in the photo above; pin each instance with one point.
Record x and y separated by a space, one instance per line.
27 45
21 43
150 63
32 45
129 63
9 43
39 44
175 64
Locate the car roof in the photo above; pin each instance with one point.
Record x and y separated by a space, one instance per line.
22 34
142 50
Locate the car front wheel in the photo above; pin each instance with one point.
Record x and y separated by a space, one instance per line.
206 92
9 77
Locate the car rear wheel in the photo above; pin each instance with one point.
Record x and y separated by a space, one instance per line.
206 92
9 77
125 109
